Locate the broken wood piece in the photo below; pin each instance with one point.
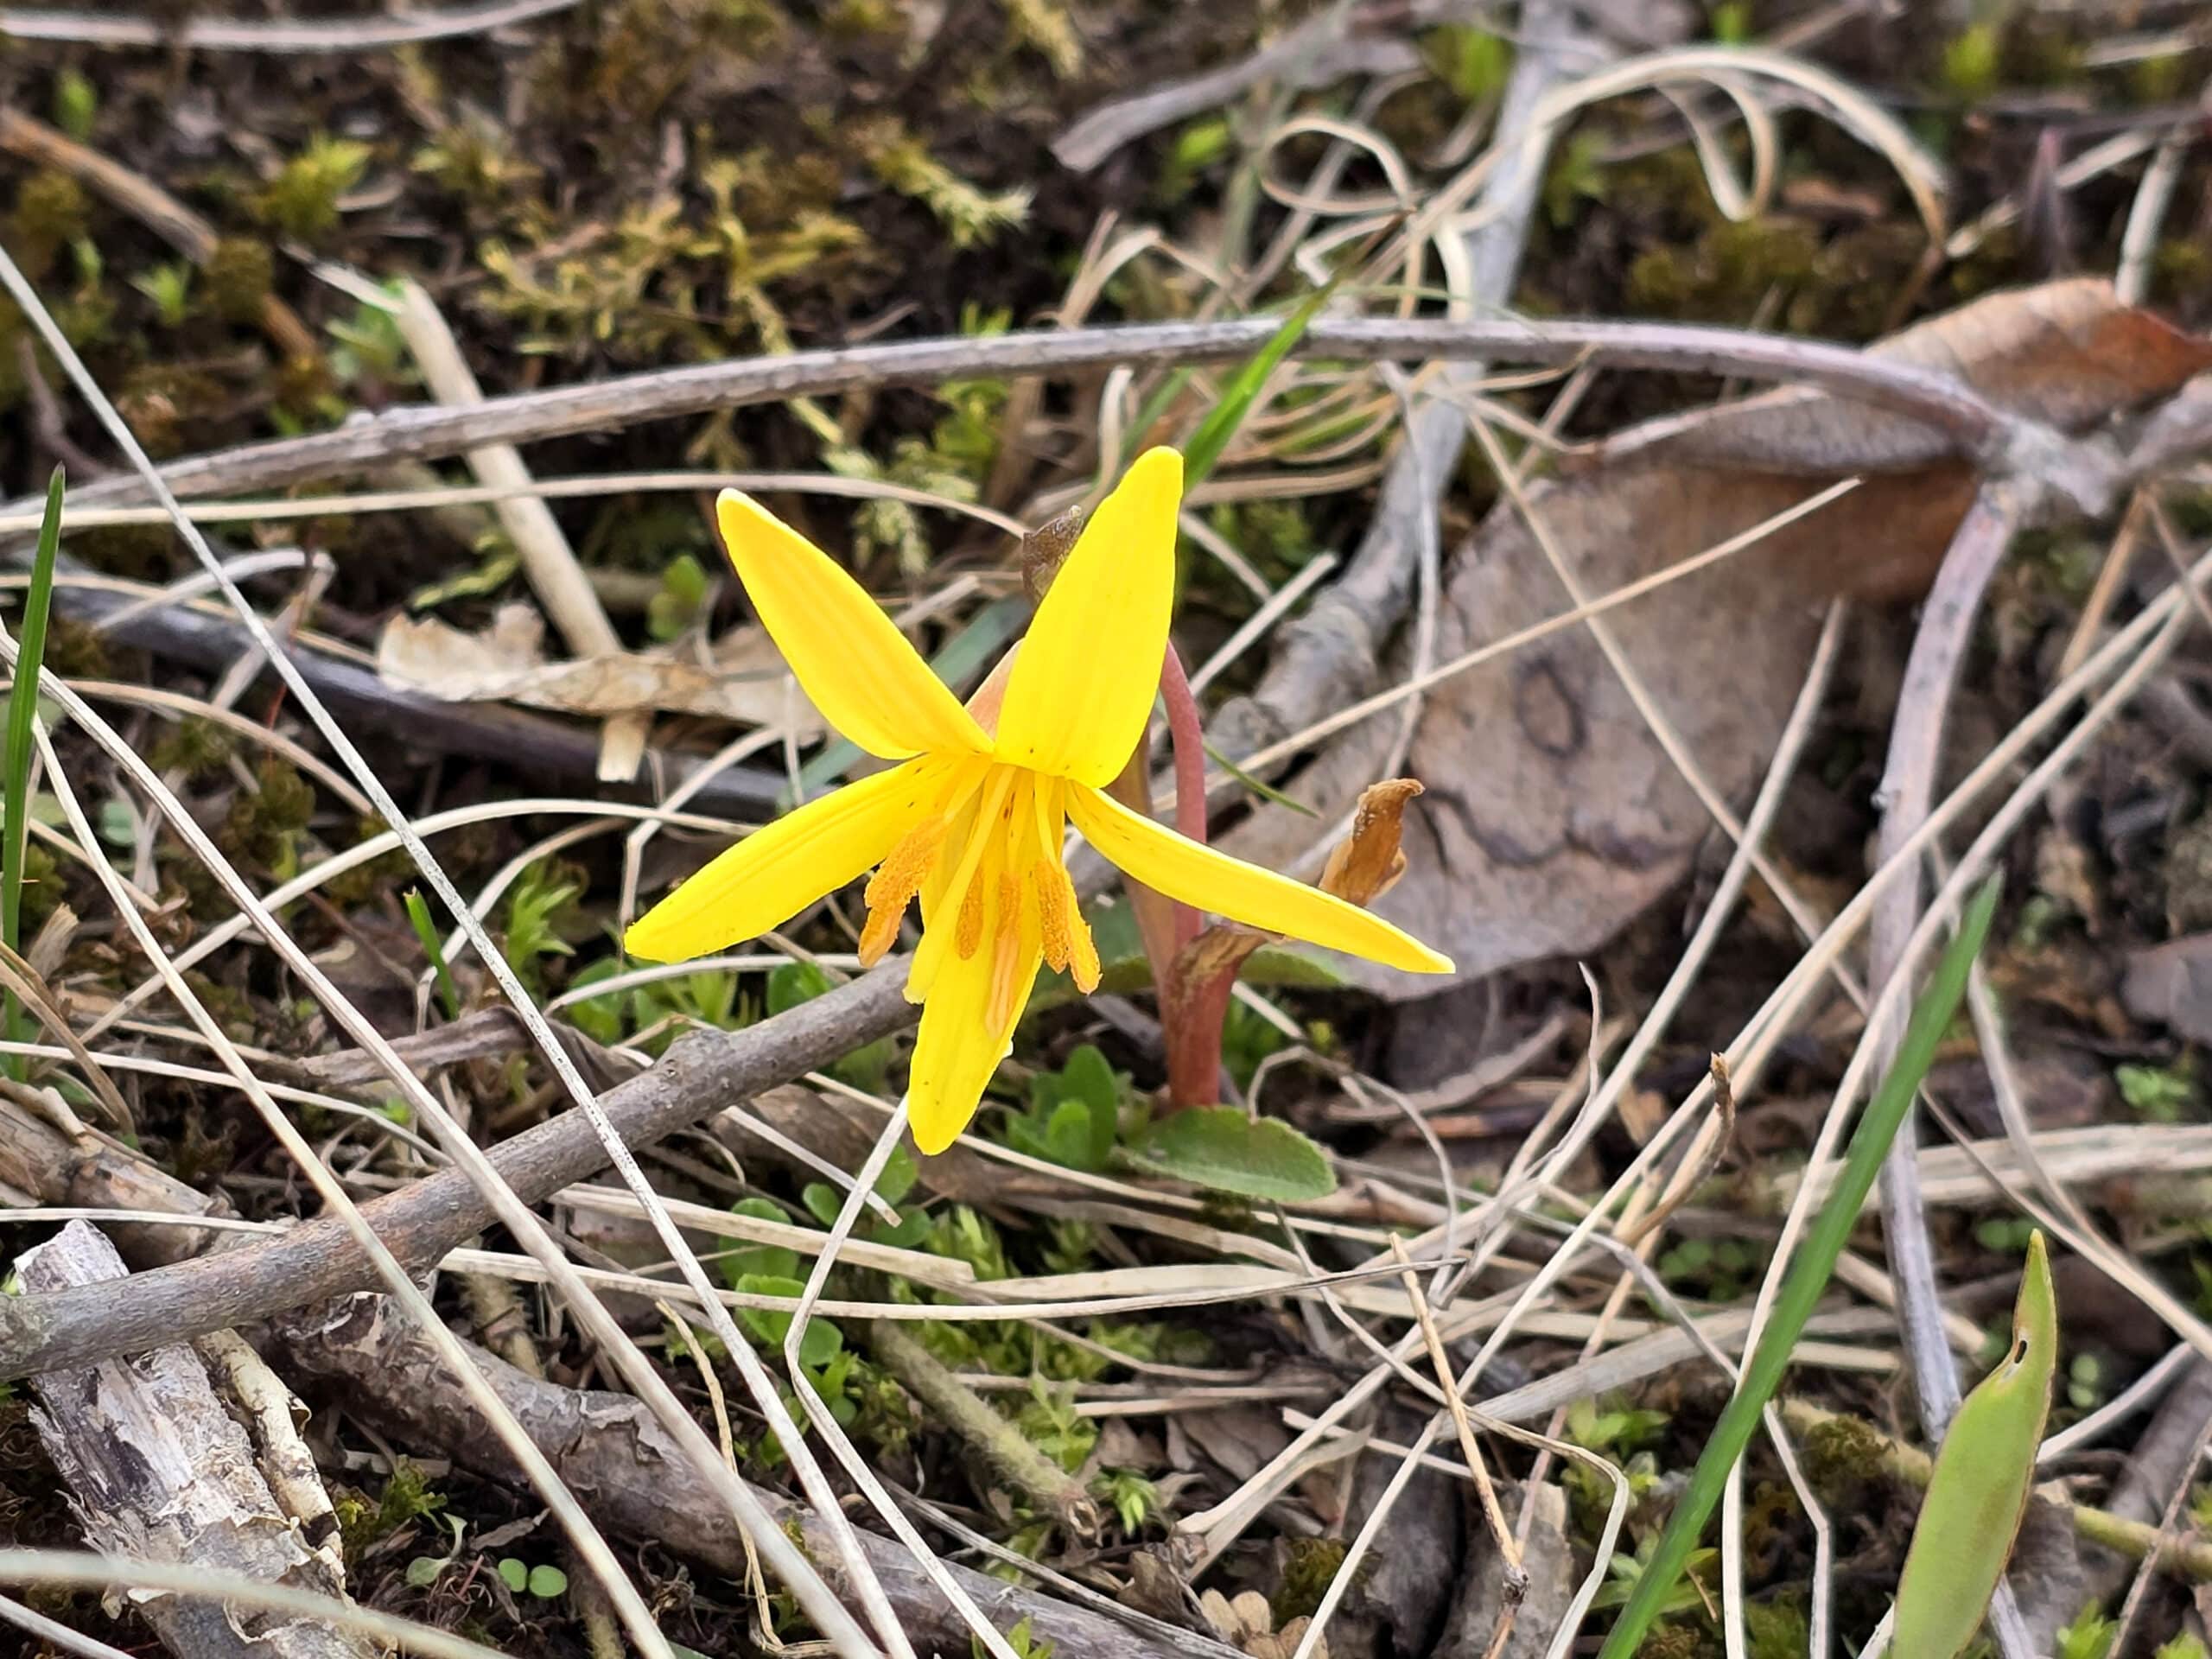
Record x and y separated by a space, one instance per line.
608 1447
547 559
157 1469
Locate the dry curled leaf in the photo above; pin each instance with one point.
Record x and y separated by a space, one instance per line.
1552 816
748 682
1367 863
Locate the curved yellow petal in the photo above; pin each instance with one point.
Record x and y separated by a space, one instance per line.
1082 685
853 662
782 867
960 1045
1245 893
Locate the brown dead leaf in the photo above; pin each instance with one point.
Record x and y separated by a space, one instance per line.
1245 1622
748 682
1551 815
1367 863
2067 354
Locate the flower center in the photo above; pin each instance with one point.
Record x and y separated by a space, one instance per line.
1005 890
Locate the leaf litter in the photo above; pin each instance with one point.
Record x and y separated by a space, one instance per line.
1552 823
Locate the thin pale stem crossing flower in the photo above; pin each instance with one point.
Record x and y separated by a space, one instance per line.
969 819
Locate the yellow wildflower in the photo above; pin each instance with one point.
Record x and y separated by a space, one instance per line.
970 821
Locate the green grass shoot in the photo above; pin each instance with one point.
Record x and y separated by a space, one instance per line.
418 913
1808 1279
1243 392
22 710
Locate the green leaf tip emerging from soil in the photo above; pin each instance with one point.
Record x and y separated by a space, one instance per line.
1809 1277
1979 1492
23 708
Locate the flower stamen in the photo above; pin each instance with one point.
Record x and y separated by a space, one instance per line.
969 938
894 884
1007 988
1068 944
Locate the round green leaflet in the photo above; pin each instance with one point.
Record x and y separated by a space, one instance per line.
1980 1488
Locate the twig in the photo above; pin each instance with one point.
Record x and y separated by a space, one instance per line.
1970 423
422 1222
1908 788
536 744
607 1444
277 35
1002 1446
157 1468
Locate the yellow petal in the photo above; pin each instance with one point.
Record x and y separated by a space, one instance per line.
853 662
1245 893
1082 685
959 1046
781 868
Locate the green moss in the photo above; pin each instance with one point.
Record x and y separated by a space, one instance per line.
361 884
302 200
238 277
2164 79
75 651
305 391
1673 1641
1842 1457
969 215
1996 263
196 746
1855 280
263 824
231 1007
1310 1566
472 159
42 885
2181 269
768 188
51 211
1724 274
407 1496
1971 63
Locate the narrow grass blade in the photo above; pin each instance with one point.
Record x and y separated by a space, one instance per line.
1150 414
1809 1277
22 707
418 913
1979 1489
1243 392
1258 788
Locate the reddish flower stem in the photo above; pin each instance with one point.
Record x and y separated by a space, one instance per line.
1188 737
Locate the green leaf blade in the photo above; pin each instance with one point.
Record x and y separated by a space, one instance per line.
22 710
1809 1276
1225 1149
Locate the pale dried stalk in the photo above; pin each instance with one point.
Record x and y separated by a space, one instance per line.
548 561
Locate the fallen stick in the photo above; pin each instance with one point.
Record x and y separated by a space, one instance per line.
1960 422
608 1447
700 1075
157 1469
